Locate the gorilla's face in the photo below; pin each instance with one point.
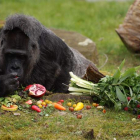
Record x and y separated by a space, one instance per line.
15 53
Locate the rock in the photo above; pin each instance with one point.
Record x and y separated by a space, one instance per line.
59 96
79 42
89 135
129 31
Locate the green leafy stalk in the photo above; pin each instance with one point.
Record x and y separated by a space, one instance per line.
111 90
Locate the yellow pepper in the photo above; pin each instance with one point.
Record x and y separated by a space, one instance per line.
79 106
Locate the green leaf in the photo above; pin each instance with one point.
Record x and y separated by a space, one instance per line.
1 99
131 92
120 95
127 74
136 68
117 74
118 106
121 65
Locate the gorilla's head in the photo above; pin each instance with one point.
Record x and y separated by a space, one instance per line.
19 53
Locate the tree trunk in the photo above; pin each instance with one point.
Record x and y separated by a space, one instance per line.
129 31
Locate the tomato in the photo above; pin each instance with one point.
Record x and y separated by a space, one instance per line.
50 102
88 107
62 101
43 103
79 116
69 104
104 111
59 103
74 105
39 102
94 104
40 106
71 109
47 101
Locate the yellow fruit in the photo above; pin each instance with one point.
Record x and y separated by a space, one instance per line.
11 108
39 102
94 104
79 106
50 102
69 104
74 105
47 101
43 103
40 106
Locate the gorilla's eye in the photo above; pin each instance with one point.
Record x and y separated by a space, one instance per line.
1 42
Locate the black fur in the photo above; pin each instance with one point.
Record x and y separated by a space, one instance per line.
49 59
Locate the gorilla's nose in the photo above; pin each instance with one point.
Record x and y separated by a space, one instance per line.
14 68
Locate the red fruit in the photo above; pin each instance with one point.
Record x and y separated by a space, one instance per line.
62 101
29 102
27 88
71 109
128 98
126 108
88 107
138 117
37 90
138 106
59 103
79 116
104 111
34 107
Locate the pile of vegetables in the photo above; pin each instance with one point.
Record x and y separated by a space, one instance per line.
121 91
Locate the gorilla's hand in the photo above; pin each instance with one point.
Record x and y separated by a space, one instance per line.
8 83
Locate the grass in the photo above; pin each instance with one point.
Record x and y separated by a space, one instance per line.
97 21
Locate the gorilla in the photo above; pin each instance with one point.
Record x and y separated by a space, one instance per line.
30 53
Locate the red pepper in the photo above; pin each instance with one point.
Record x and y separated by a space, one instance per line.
34 107
27 88
62 101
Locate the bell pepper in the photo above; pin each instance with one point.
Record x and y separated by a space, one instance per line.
79 106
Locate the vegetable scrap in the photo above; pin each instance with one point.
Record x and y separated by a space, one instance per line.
11 108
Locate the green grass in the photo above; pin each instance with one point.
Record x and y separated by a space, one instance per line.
97 21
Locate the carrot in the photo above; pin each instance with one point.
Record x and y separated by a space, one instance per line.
58 106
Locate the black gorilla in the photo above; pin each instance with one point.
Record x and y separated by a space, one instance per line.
31 53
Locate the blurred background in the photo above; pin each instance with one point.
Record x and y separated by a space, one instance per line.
95 19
